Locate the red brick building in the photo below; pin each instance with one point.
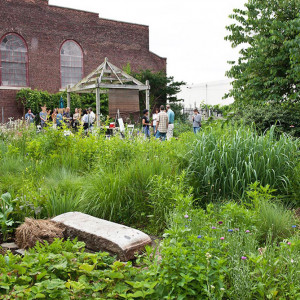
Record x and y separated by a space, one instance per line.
47 47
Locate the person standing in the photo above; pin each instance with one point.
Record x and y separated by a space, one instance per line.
85 121
43 116
67 117
155 116
59 118
53 116
29 117
76 118
196 121
162 124
146 123
92 117
171 116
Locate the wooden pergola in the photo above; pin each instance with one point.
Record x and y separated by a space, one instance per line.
105 77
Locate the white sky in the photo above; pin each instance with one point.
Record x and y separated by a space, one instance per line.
189 33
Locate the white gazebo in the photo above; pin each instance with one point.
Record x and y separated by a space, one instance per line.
107 77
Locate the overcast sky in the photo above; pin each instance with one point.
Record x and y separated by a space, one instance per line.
189 33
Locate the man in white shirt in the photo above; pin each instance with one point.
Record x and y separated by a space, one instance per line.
92 117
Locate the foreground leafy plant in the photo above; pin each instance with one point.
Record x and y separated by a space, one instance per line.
6 209
63 270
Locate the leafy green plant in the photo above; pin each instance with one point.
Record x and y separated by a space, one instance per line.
6 209
63 270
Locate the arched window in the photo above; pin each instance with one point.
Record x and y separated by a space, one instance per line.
13 61
71 63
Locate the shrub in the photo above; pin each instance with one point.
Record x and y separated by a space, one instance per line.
285 116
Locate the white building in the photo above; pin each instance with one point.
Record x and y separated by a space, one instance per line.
210 93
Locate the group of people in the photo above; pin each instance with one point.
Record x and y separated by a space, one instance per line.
162 123
162 120
62 116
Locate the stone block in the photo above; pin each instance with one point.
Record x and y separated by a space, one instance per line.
9 246
102 235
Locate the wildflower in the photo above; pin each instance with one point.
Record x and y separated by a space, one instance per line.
199 236
230 230
292 260
243 257
212 287
222 289
208 255
220 222
222 238
294 226
236 229
186 226
289 243
213 227
247 231
186 216
292 126
190 220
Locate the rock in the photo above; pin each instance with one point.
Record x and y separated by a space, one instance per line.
102 235
9 246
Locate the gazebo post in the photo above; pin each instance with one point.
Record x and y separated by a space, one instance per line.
98 106
68 97
147 96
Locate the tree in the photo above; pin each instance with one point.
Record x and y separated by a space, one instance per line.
163 88
268 68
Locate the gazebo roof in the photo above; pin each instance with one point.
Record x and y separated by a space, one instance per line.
107 76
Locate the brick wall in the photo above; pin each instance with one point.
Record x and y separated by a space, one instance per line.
45 28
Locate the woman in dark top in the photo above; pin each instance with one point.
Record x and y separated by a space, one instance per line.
146 123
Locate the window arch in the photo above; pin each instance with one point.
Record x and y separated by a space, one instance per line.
71 63
13 61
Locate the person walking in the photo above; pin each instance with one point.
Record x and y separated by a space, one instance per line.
162 124
171 116
196 121
146 123
155 116
29 117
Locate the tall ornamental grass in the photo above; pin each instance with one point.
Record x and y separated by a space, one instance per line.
222 163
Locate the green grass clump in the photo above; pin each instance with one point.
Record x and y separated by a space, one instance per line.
224 161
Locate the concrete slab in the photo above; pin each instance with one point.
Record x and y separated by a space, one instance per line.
9 246
102 235
20 252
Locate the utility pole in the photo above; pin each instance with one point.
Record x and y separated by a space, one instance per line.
206 88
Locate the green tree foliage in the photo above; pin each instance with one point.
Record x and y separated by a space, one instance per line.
34 99
163 88
268 69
